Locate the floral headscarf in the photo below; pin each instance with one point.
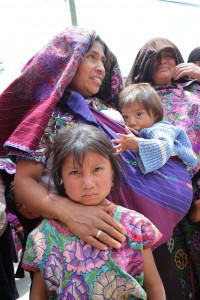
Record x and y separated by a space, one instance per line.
28 102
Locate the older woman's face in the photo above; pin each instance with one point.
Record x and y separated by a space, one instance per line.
91 72
164 68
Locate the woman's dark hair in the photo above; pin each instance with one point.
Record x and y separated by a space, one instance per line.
144 94
99 40
194 55
78 140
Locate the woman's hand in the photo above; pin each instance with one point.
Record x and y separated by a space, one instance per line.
187 69
88 221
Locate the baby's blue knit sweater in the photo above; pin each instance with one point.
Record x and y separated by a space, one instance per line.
160 141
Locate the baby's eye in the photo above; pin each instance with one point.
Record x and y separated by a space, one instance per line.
139 114
125 117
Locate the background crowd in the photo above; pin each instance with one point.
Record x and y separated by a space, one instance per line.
69 82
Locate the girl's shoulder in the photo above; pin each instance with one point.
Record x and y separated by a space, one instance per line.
137 226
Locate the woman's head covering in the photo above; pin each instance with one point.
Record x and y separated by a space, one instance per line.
142 68
27 104
194 55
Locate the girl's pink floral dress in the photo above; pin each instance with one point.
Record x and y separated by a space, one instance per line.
73 269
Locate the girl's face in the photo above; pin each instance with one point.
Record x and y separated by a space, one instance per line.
89 76
90 183
164 68
136 117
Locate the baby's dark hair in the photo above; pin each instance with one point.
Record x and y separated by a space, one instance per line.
142 93
78 140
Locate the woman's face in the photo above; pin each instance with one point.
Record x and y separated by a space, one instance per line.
91 72
164 68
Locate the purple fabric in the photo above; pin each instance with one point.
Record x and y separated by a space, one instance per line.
27 104
163 196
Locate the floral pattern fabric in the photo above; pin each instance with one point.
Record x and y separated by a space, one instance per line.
73 269
181 104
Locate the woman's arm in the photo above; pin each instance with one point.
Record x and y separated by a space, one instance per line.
152 281
194 212
38 288
83 221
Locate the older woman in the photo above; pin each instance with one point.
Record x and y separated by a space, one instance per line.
70 81
160 63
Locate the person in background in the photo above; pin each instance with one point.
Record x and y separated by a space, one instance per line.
160 63
194 56
70 81
86 169
8 290
158 140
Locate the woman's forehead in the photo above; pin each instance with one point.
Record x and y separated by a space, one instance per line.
166 51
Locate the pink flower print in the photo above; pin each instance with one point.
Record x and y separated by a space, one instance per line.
82 257
182 110
129 259
133 223
39 244
76 289
116 82
53 272
110 286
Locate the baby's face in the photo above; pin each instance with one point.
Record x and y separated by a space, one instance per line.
136 117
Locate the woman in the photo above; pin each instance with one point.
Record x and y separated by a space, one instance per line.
160 63
194 56
68 82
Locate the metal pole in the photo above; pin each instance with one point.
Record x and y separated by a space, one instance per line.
73 12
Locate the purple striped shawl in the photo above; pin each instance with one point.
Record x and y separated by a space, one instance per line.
163 196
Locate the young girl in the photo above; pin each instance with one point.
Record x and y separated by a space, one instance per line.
86 169
142 111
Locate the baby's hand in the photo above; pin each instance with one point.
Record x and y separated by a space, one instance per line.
127 142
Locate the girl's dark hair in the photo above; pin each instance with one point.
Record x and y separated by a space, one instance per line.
144 94
78 140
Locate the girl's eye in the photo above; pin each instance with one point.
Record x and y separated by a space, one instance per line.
74 172
98 169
